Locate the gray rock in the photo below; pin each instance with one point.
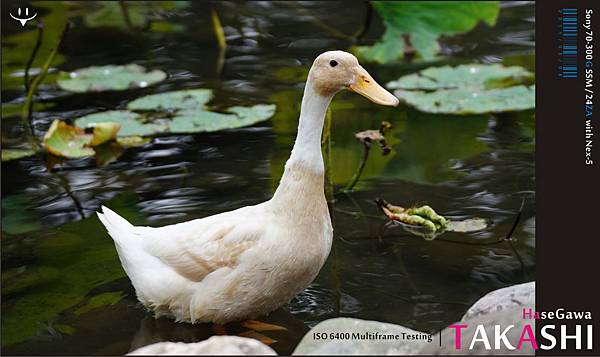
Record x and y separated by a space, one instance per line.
522 295
356 346
216 345
504 318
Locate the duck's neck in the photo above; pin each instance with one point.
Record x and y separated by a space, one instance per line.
304 170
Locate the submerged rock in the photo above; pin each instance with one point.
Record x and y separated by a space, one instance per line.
216 345
522 295
347 336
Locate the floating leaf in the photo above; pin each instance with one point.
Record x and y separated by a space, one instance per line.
15 154
467 89
132 141
467 75
177 112
183 99
110 77
107 153
131 123
67 141
415 26
104 132
195 121
467 225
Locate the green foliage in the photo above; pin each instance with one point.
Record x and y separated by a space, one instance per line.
15 154
80 256
67 141
131 123
111 77
17 48
100 300
416 26
184 99
177 112
469 75
467 89
17 217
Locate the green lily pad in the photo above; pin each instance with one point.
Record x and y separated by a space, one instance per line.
177 112
104 132
470 101
467 89
183 99
132 141
111 77
67 141
15 154
467 75
131 123
195 121
467 225
415 26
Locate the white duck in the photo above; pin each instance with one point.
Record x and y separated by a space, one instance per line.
248 262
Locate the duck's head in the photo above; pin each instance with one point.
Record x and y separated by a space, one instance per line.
333 71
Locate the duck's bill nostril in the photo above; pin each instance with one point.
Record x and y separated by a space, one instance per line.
366 86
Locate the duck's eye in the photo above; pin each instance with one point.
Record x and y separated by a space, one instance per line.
333 63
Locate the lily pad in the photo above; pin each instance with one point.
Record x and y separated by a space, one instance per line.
104 132
466 75
467 225
110 77
183 99
131 123
177 112
67 141
15 154
414 27
467 89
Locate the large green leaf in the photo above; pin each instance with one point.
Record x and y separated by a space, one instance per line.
417 25
131 123
469 100
183 99
110 77
65 140
177 112
468 75
467 89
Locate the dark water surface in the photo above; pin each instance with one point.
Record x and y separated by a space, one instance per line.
63 289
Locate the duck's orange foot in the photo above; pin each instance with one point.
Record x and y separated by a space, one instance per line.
255 326
262 326
219 330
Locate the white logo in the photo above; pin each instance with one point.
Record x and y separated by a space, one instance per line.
23 21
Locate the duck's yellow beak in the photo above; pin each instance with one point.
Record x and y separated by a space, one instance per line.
366 86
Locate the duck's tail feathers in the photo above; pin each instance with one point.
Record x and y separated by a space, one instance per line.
119 229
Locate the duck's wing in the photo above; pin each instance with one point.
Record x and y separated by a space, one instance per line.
197 248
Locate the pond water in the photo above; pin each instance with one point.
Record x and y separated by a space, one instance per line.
63 289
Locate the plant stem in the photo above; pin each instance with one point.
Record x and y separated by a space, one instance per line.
125 13
28 106
361 167
218 29
38 43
